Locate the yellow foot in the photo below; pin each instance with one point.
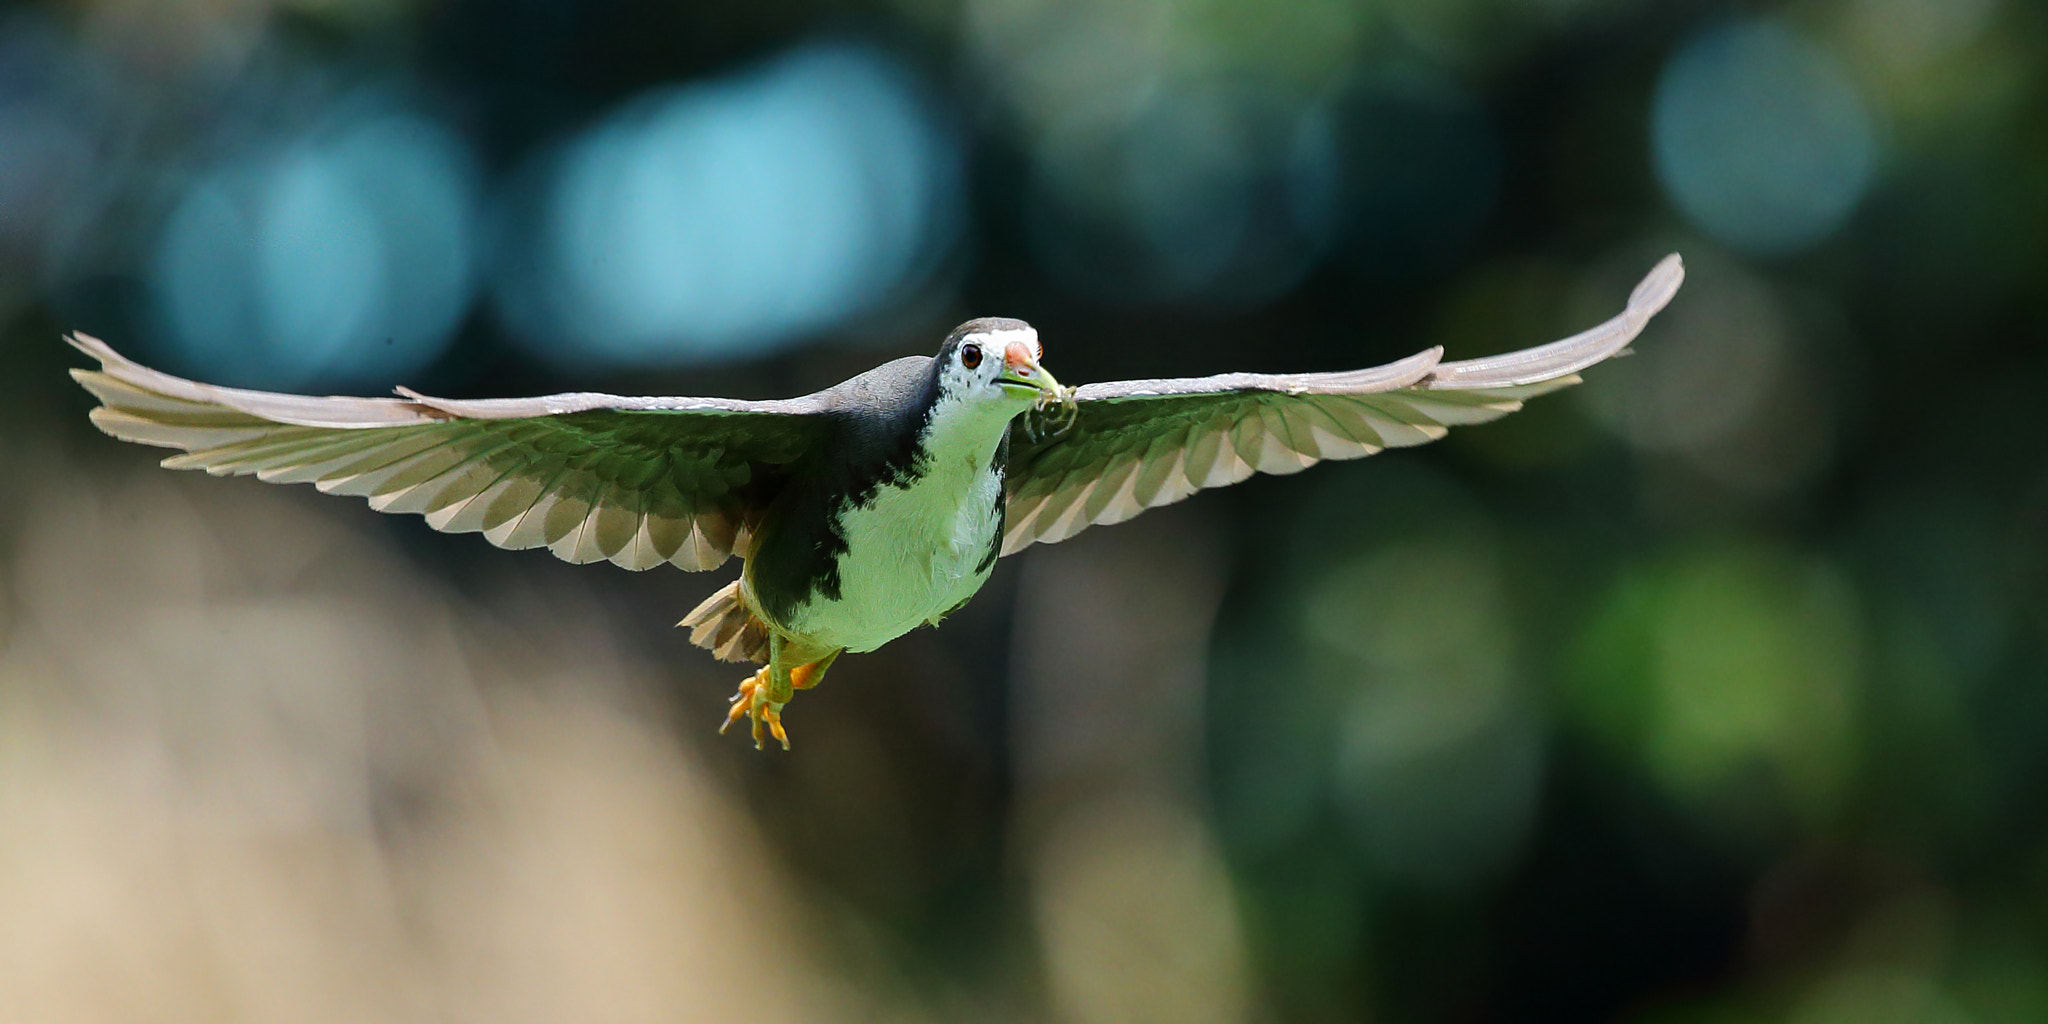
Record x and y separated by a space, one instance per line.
752 702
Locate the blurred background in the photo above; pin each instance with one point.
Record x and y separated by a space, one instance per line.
1714 690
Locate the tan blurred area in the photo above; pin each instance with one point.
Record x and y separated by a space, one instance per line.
258 764
253 766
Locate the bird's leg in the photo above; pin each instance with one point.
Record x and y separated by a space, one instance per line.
803 677
762 695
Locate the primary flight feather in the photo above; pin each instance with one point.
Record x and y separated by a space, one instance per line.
862 511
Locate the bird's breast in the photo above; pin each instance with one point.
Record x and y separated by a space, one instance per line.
914 550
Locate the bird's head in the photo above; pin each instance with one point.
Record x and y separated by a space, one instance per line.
995 359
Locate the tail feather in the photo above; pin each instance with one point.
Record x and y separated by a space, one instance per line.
727 627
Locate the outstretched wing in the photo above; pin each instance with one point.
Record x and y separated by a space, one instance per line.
1139 444
638 481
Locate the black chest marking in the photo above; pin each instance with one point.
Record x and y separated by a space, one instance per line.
874 441
998 465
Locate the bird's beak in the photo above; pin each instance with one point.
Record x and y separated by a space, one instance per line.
1021 367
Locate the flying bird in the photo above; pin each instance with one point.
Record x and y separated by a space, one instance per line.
862 511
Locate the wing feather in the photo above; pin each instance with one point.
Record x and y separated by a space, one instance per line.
1230 466
1110 490
413 483
528 529
1205 447
637 481
1159 467
562 527
280 451
1400 425
1288 448
1350 413
616 522
468 515
1326 438
1140 444
341 462
639 552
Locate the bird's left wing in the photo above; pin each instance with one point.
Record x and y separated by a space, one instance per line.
638 481
1140 444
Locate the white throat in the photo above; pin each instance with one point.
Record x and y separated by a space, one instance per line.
964 429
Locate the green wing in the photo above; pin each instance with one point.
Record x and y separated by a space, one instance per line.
1139 444
637 481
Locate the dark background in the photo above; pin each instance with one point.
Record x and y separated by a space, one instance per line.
1712 690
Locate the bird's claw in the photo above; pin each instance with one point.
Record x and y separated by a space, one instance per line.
752 702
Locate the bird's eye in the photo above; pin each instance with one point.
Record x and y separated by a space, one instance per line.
970 356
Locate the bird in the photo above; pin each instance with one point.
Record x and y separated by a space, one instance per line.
862 511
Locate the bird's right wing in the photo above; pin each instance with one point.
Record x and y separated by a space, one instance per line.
637 481
1138 444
